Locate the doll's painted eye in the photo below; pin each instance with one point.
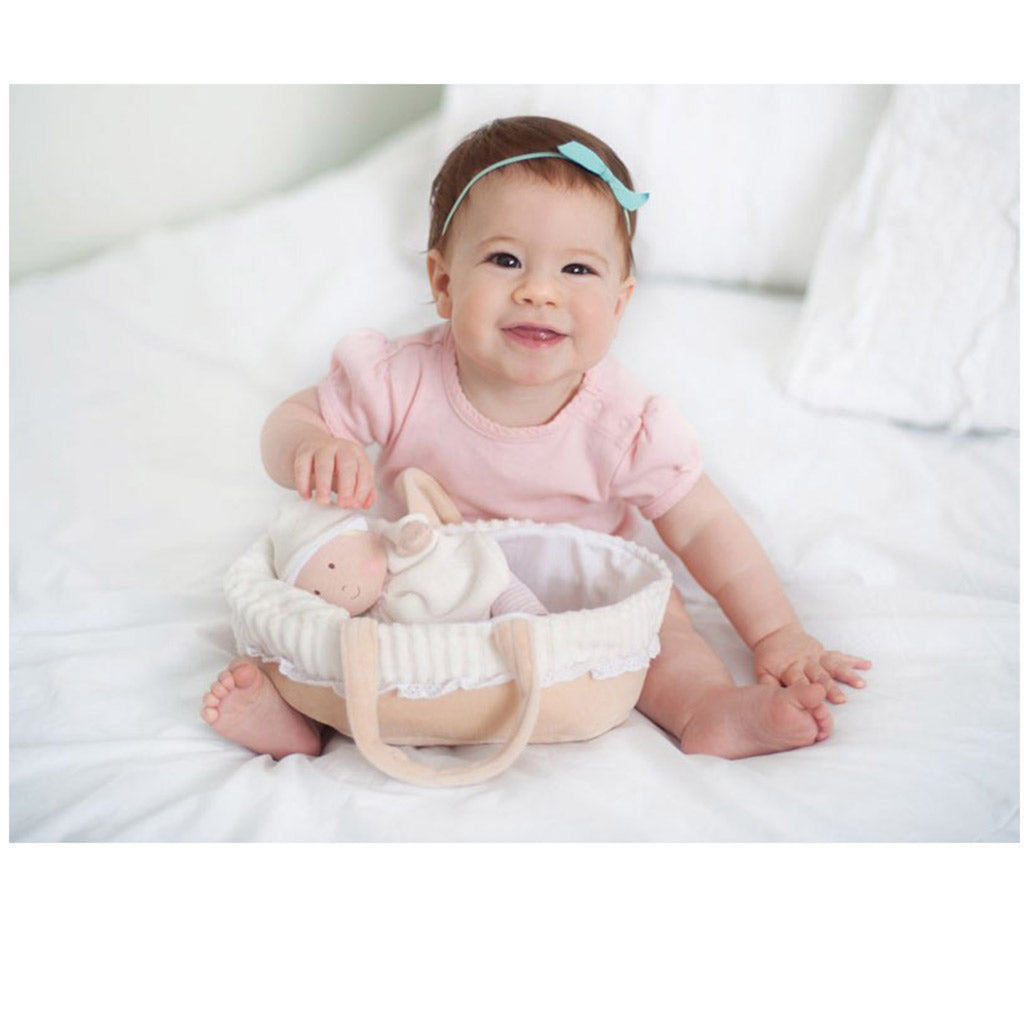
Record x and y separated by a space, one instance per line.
317 592
330 565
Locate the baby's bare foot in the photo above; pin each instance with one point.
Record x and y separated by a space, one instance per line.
244 706
742 721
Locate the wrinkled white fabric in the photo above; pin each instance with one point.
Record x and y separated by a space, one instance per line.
899 544
913 311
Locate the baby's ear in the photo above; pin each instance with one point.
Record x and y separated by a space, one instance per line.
625 294
440 283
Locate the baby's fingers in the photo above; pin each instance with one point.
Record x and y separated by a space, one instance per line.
842 667
302 470
794 674
355 480
323 473
833 692
310 468
812 672
348 479
363 494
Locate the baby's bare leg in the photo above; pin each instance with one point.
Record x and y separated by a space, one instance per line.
244 706
690 694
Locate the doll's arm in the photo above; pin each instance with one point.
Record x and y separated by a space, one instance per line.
300 452
407 541
413 535
517 597
723 555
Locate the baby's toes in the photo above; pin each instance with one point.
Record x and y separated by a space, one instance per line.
809 695
210 710
241 672
212 698
823 719
224 685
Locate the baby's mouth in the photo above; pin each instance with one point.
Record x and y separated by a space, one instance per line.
534 335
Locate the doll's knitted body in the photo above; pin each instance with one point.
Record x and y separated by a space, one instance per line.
450 578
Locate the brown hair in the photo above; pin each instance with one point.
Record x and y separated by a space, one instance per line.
513 136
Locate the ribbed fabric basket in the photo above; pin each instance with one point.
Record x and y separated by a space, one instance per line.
605 596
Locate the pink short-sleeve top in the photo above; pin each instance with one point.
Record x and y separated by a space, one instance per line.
612 448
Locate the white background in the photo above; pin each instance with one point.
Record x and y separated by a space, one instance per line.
92 165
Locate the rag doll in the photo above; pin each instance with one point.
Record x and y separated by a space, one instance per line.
406 571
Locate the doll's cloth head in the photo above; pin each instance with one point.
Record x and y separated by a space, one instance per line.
453 578
302 528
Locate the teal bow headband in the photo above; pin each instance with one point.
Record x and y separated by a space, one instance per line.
576 153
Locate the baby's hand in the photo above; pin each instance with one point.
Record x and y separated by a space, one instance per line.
334 464
789 656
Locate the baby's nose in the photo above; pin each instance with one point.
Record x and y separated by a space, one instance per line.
536 290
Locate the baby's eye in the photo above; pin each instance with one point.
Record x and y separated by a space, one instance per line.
578 268
504 259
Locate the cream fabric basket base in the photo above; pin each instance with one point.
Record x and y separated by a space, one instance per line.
579 709
506 714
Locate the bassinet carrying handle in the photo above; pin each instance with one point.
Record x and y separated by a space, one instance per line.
360 666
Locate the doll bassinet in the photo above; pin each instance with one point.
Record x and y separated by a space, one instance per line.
569 675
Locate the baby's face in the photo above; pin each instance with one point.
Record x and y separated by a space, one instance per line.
348 571
534 281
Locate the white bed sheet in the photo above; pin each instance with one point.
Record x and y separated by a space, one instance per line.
139 382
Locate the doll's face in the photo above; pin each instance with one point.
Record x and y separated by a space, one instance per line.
349 571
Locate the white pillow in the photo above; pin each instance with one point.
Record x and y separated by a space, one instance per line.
913 312
742 178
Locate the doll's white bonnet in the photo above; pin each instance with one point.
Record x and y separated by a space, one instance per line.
302 528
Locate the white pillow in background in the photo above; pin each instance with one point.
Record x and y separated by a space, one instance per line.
742 178
913 312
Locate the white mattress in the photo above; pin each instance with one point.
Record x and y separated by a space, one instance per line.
139 383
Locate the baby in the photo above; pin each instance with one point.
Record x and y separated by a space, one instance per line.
530 265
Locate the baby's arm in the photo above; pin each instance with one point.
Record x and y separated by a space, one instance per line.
723 555
300 452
